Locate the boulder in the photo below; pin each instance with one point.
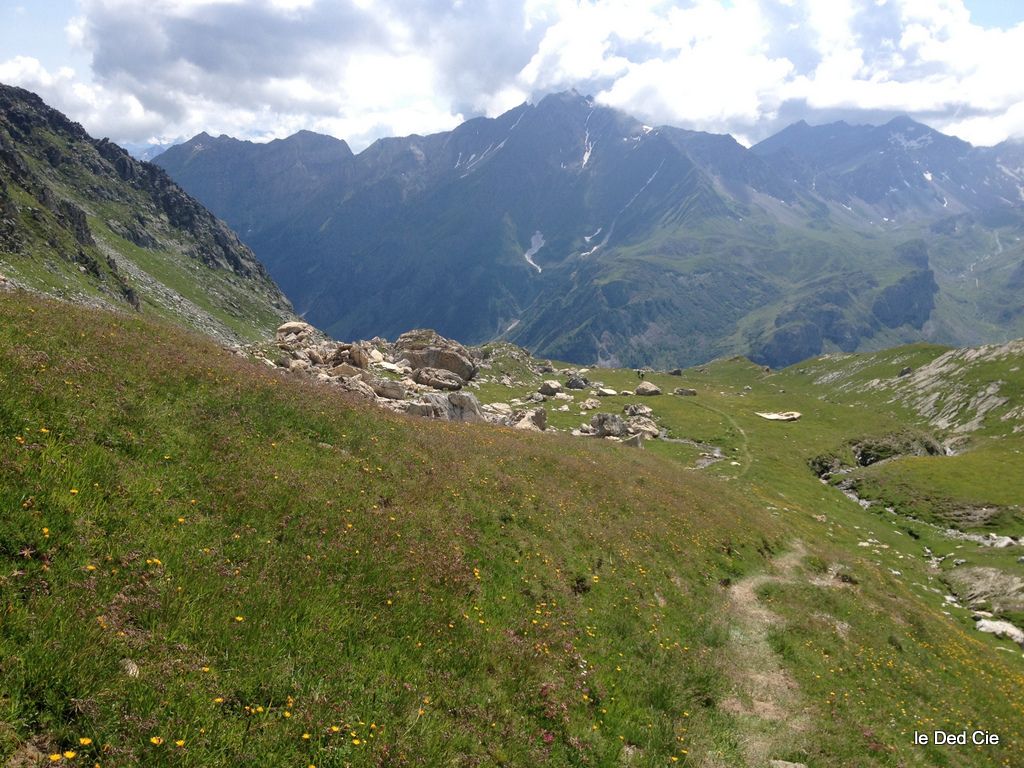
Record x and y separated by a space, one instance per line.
590 404
905 371
606 392
577 382
565 397
501 409
684 392
550 388
296 328
634 441
636 409
641 425
345 369
395 368
389 389
534 420
358 356
429 349
438 378
465 407
608 425
676 372
647 389
455 406
376 356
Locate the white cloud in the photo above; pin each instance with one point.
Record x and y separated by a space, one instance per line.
363 68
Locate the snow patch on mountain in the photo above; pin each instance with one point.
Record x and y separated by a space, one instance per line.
536 243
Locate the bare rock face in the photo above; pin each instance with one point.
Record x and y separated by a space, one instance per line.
428 349
438 378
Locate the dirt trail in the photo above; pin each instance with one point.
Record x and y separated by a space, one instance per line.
766 700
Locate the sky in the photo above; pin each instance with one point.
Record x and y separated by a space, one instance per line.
161 71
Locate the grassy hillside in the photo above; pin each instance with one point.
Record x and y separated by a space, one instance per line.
207 563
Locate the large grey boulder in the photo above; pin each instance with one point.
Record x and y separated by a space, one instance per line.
608 425
550 388
577 382
424 348
646 388
438 378
389 389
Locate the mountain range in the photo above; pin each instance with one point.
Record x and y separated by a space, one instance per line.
583 234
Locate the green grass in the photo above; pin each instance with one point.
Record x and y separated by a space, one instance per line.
441 594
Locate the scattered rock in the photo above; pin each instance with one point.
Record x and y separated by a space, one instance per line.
636 409
642 425
499 409
647 389
455 406
344 369
401 370
294 328
534 420
389 389
684 392
358 356
438 378
550 387
428 349
608 425
577 382
784 764
590 404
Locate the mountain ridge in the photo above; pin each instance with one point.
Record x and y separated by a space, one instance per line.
660 245
84 220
